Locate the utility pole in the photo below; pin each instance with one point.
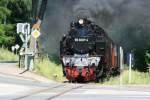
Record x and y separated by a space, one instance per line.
37 16
26 47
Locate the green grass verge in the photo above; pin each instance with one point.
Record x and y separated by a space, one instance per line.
54 72
137 78
49 69
6 55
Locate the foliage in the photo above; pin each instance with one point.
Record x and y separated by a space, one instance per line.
4 11
21 11
140 60
49 70
12 12
5 34
137 78
148 56
54 58
6 55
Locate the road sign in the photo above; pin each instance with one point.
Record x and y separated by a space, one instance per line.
23 28
17 46
35 34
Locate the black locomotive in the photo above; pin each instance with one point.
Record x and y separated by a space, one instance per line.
87 52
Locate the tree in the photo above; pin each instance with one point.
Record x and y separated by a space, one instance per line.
141 63
12 12
5 38
148 56
21 11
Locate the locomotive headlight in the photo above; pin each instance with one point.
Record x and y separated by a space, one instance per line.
81 21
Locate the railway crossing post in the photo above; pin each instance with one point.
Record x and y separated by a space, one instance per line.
23 29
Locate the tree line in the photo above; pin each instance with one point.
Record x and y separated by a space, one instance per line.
11 13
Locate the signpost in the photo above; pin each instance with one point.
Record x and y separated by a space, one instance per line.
35 34
23 29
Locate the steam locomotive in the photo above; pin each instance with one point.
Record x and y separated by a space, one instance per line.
87 53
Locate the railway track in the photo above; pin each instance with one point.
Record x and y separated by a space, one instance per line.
64 92
49 89
36 92
3 62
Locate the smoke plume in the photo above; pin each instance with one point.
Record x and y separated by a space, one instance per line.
127 22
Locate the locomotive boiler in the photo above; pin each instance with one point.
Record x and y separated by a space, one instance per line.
87 53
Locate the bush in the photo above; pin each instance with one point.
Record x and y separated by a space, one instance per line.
141 63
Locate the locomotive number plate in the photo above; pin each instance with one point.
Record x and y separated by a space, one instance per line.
81 40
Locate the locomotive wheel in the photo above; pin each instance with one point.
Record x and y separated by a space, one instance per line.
80 79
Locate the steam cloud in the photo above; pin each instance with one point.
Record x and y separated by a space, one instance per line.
127 22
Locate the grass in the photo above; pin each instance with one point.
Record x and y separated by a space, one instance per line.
49 69
137 78
6 55
53 71
45 68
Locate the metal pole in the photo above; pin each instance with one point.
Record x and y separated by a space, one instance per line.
121 65
35 46
26 47
130 70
